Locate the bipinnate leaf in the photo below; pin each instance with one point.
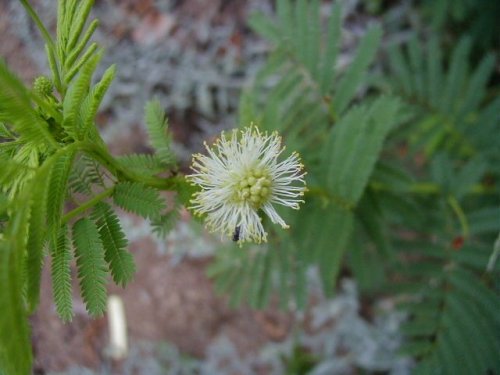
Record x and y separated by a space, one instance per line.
61 275
120 261
15 348
91 265
139 199
16 109
157 125
357 70
58 185
144 164
354 147
35 243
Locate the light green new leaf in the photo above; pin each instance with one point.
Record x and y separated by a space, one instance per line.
16 109
76 94
91 104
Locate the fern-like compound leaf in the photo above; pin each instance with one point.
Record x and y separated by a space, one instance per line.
15 348
81 15
58 184
16 109
139 199
457 307
11 170
93 100
5 133
75 96
356 141
357 70
163 224
120 261
91 265
144 164
85 174
157 125
61 275
35 244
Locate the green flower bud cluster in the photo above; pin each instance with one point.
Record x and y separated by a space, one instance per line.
43 86
255 187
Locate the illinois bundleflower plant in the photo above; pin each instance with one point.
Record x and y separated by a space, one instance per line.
240 177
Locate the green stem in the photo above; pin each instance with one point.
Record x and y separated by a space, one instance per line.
423 188
432 188
45 34
48 108
455 206
494 256
111 164
89 204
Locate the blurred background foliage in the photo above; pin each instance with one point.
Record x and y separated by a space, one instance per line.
394 108
401 147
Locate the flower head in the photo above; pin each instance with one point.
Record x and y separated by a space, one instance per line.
240 177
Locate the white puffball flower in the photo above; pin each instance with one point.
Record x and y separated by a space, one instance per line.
240 177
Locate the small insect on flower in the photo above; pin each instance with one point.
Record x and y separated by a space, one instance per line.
240 177
236 234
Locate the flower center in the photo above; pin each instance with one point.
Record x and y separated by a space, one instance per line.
254 187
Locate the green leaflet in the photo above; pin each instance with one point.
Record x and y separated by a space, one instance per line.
61 275
47 199
165 223
73 124
91 265
447 97
120 261
11 170
354 145
356 71
157 125
139 199
16 109
329 241
93 100
58 184
84 175
145 164
35 244
15 349
455 308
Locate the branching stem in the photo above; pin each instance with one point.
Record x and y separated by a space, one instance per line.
89 204
110 163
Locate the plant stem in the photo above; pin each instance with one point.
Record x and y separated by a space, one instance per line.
111 164
432 188
45 34
494 256
89 204
455 206
420 188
